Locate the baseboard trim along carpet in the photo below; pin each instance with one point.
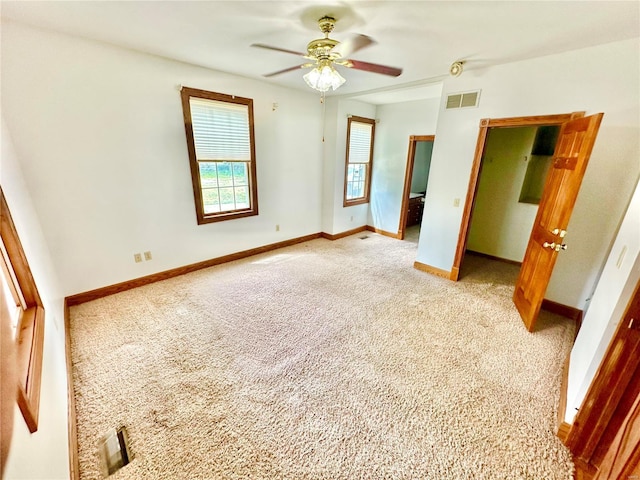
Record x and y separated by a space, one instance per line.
566 311
156 277
337 236
493 257
563 431
383 232
423 267
563 427
72 426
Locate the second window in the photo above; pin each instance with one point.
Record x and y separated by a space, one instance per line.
357 182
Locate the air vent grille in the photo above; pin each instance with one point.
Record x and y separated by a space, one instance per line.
463 100
453 101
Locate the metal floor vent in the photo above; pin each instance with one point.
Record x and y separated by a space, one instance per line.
364 237
114 451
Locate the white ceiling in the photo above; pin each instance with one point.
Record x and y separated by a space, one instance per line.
422 37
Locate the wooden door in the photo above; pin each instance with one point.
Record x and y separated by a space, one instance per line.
570 159
623 457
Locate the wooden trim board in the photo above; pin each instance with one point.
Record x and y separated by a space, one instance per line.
336 236
383 232
492 257
563 427
563 431
29 337
74 464
156 277
423 267
564 310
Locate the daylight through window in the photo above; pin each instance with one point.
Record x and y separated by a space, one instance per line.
360 136
222 154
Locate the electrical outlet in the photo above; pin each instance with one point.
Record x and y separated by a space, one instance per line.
277 228
137 257
456 202
147 256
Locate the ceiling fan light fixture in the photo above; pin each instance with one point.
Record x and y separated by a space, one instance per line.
323 78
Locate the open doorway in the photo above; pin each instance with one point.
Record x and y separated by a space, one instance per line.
487 126
515 164
575 143
415 186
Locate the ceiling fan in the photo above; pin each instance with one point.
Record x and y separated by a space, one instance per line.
326 52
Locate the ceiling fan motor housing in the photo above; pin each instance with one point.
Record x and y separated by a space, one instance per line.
320 48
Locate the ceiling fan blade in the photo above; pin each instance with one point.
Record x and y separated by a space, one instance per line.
353 44
290 69
374 67
277 49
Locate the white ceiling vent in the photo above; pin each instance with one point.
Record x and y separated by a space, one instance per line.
463 100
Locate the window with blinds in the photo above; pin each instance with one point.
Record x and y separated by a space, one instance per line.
360 136
220 141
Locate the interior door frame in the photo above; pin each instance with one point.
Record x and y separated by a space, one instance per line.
476 169
411 157
606 399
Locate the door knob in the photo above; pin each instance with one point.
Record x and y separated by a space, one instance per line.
555 246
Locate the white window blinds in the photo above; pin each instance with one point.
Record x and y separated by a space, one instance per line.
220 130
360 142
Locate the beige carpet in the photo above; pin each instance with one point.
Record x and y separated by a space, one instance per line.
325 360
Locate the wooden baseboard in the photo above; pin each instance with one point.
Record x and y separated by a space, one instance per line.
572 313
455 274
156 277
384 232
563 431
336 236
74 464
563 427
492 257
423 267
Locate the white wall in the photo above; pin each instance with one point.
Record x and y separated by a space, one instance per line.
398 121
43 454
587 79
341 218
330 164
100 135
500 224
619 278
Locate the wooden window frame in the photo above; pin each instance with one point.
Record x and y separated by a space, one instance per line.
202 217
367 183
30 334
